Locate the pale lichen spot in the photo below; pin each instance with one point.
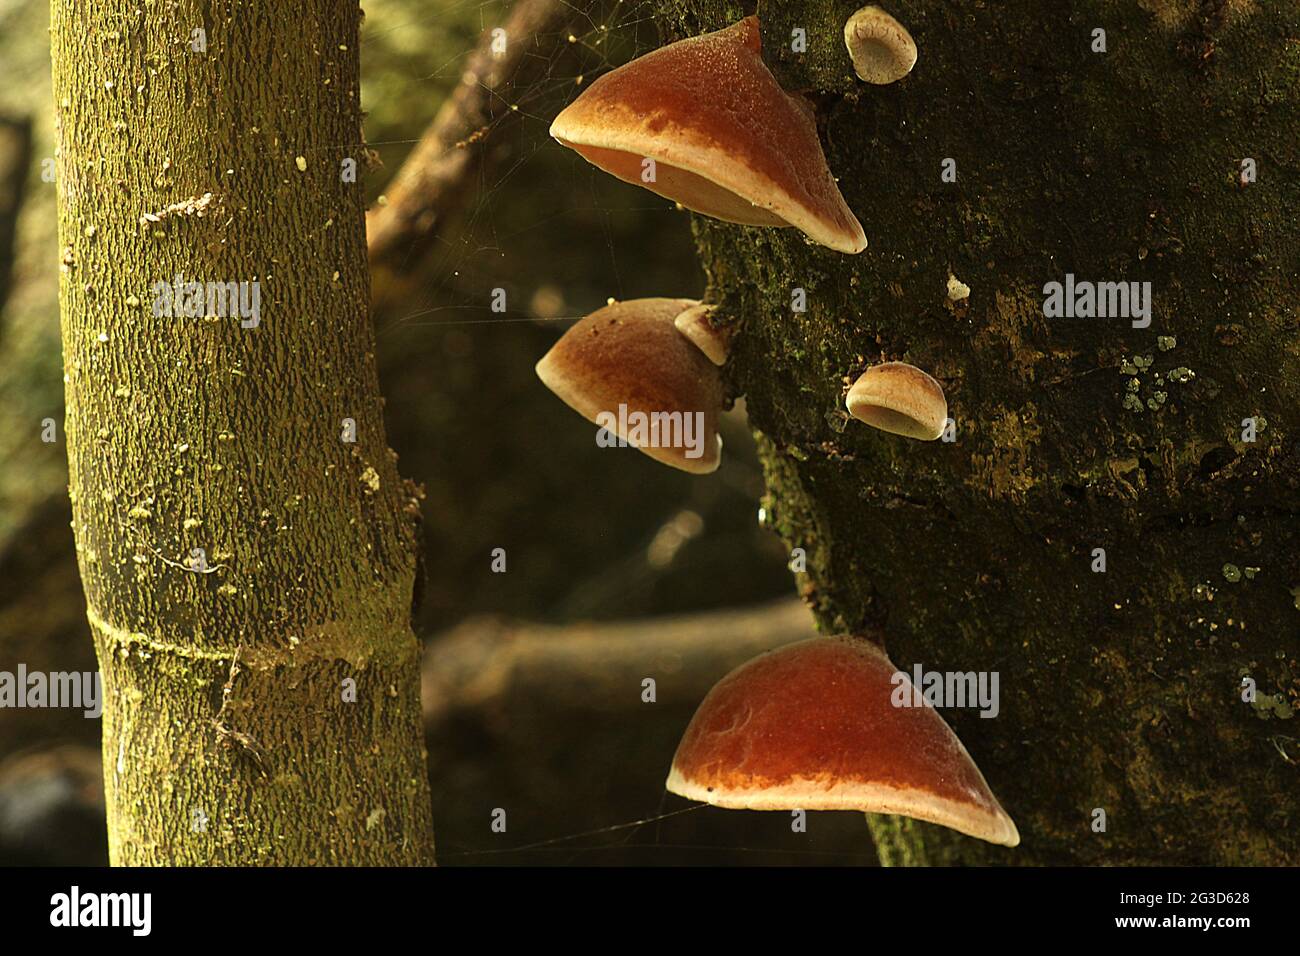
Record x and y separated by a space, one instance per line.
194 206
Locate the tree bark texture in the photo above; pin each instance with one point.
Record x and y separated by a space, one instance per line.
1121 690
242 560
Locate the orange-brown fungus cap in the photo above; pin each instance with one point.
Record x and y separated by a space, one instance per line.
726 140
631 354
812 726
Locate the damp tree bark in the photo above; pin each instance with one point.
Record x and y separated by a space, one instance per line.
246 563
1122 689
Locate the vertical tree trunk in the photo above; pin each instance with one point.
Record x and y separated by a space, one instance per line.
1121 690
242 561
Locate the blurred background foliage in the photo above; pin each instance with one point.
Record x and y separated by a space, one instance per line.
590 534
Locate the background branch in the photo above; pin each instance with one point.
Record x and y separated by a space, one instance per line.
15 157
430 185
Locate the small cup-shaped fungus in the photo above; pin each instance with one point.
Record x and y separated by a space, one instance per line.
899 398
696 324
626 368
813 726
882 50
704 122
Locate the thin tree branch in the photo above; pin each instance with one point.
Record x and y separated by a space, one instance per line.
429 187
15 158
602 664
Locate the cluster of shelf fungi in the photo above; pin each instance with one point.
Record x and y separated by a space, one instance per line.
813 725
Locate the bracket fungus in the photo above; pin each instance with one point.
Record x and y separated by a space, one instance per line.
703 122
813 726
696 324
883 51
899 398
626 368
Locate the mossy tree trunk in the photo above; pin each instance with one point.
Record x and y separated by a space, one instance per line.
1121 690
243 563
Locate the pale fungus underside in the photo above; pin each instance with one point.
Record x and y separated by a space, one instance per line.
899 398
696 323
882 50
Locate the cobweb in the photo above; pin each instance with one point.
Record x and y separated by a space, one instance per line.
530 195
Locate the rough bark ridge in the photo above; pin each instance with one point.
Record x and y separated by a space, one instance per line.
1121 690
227 738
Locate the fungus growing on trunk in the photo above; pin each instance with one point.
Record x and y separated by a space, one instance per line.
626 368
882 50
703 122
696 324
899 398
813 726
